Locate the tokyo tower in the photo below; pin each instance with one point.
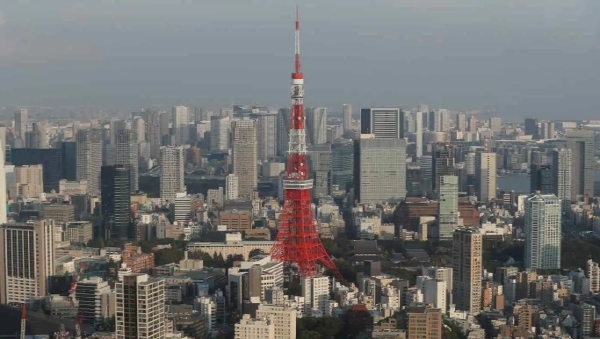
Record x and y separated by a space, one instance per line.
297 240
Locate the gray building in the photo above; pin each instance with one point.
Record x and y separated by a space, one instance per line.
384 123
380 169
342 163
581 144
561 176
266 136
316 125
283 131
448 206
89 158
127 155
542 232
319 162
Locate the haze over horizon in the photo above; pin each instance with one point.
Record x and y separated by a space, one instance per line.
520 58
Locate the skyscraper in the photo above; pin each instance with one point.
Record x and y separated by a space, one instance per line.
547 130
181 124
26 260
448 206
283 131
442 163
419 134
140 307
472 124
316 125
531 128
542 178
439 120
461 122
231 187
485 175
127 155
342 163
115 202
561 176
380 169
3 217
244 156
21 122
319 160
171 172
466 269
542 232
89 158
581 144
384 123
219 133
495 124
139 127
347 111
266 126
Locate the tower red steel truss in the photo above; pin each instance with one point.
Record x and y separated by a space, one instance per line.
297 240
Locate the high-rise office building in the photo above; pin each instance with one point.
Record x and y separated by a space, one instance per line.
442 163
380 169
140 307
283 131
439 121
115 202
127 155
231 187
485 175
461 122
319 164
115 126
495 124
68 150
532 128
347 120
542 232
384 123
219 133
316 125
542 178
29 182
266 127
342 163
181 124
89 158
466 269
37 137
448 206
561 176
26 260
3 217
138 126
472 124
21 122
581 144
49 158
419 134
171 172
547 130
153 136
244 156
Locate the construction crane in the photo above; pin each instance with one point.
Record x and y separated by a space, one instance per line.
23 321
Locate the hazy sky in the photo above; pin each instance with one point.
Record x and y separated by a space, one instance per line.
530 57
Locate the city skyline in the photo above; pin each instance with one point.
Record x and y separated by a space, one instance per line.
460 57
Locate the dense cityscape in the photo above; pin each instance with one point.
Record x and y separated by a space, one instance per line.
253 222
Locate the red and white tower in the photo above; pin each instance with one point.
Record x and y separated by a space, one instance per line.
297 240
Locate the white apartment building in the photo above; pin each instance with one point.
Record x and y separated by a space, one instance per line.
171 172
315 291
94 295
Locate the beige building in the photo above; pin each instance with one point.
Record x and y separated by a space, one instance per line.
140 307
249 328
236 220
283 317
244 156
424 323
79 232
29 182
485 175
73 187
61 213
26 260
466 269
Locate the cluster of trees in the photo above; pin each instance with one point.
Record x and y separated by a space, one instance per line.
318 328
